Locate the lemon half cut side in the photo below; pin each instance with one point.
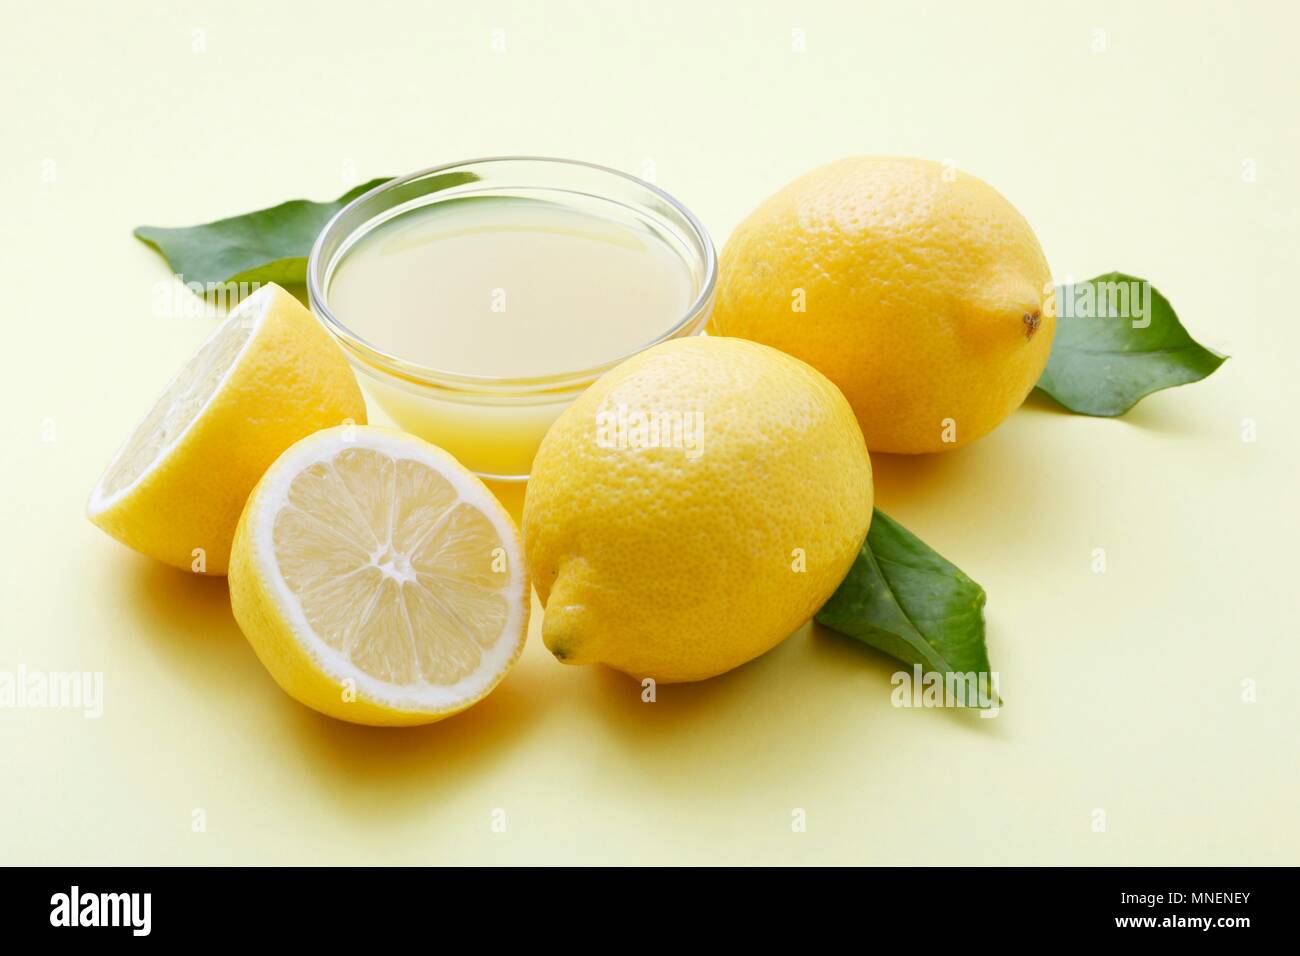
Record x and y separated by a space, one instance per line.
378 579
267 376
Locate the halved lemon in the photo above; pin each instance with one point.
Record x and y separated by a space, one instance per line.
378 579
267 376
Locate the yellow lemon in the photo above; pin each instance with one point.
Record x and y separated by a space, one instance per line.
917 289
378 579
266 377
694 507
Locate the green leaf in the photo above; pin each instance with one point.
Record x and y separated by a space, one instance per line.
903 598
268 245
1118 340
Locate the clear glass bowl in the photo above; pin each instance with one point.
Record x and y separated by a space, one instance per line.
494 425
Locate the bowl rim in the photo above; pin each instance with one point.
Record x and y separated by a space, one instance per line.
379 360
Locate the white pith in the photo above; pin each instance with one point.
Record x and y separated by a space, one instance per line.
419 695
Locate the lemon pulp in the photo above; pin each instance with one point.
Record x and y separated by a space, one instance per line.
183 400
391 568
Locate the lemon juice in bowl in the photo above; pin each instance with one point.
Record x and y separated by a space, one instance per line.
477 300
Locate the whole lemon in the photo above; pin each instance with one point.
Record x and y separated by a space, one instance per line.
694 507
917 289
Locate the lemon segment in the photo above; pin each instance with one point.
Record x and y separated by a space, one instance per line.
267 376
378 579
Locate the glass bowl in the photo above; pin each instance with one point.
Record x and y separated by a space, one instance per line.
494 425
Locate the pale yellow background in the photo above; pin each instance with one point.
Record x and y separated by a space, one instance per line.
1123 689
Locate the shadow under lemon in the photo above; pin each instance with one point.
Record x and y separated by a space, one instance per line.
511 495
770 719
989 495
983 496
1161 413
384 769
186 620
904 480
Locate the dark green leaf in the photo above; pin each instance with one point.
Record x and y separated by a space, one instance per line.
904 599
1118 340
269 245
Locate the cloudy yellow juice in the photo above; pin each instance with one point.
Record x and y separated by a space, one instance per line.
483 289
